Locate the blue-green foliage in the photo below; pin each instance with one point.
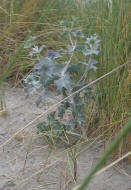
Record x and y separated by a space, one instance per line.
51 71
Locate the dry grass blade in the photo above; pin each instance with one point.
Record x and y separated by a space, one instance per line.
40 171
107 167
112 164
4 10
120 170
58 103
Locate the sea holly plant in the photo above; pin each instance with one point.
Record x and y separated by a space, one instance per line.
66 77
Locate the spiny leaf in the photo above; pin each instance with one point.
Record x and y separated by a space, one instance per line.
78 109
70 124
91 64
78 86
78 34
62 109
64 82
43 96
80 47
52 54
70 49
29 42
90 51
92 46
42 127
49 70
75 68
36 50
55 126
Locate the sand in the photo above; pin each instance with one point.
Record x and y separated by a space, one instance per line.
29 162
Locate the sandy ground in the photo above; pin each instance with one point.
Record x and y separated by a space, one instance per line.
28 162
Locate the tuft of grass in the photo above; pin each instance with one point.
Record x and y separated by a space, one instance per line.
20 19
112 24
24 18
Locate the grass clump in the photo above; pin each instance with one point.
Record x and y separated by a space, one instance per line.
110 21
24 18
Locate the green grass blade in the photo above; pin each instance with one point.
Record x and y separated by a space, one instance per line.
123 133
